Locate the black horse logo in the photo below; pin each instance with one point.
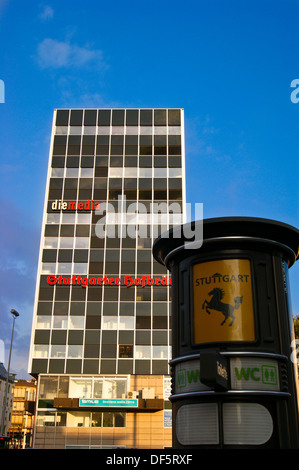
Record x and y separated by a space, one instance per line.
216 304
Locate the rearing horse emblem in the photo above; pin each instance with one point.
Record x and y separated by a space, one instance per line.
216 304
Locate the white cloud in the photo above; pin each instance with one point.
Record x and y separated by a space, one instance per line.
56 54
87 100
46 13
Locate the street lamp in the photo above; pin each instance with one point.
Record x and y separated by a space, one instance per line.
15 314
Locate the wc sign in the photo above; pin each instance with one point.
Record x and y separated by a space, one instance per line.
2 92
246 373
254 374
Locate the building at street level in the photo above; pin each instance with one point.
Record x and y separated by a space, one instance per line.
101 340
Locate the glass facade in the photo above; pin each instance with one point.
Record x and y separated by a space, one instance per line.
116 180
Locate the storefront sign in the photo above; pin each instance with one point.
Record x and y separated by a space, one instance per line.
108 402
222 301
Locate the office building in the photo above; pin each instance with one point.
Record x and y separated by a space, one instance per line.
101 339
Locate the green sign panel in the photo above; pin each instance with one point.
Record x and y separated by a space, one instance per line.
187 377
246 373
254 374
108 402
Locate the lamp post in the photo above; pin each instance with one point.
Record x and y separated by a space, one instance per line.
15 314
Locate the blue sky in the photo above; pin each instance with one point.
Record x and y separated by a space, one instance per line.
229 64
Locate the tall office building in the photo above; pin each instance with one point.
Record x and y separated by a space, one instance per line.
101 339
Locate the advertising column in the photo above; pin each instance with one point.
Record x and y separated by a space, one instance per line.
234 380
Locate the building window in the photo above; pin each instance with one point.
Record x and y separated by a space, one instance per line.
161 352
48 387
45 418
48 390
76 322
142 352
43 322
60 321
98 387
96 420
60 418
80 388
126 323
79 419
114 420
109 323
125 351
58 351
40 351
75 351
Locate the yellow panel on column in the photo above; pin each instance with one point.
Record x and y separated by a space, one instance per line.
222 301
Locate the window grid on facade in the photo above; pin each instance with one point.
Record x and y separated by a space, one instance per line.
99 156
